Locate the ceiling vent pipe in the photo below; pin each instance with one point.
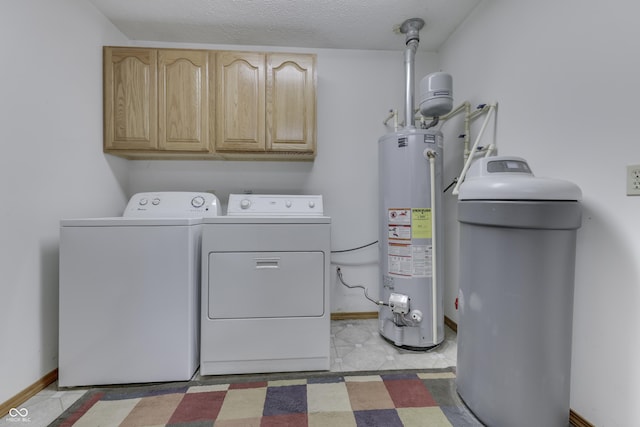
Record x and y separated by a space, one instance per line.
410 27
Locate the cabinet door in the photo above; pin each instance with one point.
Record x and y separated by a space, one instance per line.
130 98
291 102
183 98
240 101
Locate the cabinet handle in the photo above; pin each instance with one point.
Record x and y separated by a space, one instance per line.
267 262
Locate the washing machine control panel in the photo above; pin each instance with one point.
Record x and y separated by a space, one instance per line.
173 204
274 205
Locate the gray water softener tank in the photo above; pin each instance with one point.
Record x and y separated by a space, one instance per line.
517 262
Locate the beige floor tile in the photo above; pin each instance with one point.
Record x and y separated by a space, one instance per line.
243 403
332 419
423 417
327 397
110 413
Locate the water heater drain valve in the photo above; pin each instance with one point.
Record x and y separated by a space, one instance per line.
416 316
399 303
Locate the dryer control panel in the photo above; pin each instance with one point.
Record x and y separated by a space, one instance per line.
274 205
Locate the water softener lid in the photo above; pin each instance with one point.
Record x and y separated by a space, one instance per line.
510 178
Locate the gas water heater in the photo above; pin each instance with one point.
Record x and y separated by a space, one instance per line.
410 214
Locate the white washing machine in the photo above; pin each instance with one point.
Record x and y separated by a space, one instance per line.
129 291
265 286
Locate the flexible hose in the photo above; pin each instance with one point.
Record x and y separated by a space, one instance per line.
358 286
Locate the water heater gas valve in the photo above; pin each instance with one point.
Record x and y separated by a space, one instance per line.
399 303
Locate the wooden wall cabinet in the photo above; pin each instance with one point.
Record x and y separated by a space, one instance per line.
179 103
266 103
240 102
130 99
291 103
183 100
155 101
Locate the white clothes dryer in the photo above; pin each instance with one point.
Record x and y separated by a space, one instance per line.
265 286
129 291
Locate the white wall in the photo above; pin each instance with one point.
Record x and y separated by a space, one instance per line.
356 89
51 167
566 78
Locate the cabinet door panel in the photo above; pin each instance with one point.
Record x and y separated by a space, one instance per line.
240 99
183 100
130 98
291 102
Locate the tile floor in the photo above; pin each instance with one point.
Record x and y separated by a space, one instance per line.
356 345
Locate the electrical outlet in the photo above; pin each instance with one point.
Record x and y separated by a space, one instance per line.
633 180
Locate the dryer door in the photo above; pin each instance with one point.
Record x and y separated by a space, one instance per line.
246 285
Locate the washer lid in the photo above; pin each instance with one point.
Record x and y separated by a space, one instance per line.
510 178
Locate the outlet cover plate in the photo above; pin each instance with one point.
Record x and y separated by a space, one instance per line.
633 180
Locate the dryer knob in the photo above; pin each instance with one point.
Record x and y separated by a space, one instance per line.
197 202
245 203
288 203
143 201
312 204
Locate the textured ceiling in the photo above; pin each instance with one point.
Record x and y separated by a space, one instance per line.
333 24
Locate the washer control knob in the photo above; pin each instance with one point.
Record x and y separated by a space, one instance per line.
312 204
197 202
143 201
155 202
288 203
245 203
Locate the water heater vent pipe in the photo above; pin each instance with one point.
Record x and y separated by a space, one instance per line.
410 27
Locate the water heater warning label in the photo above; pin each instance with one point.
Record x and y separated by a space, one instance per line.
421 257
410 260
421 223
400 216
399 250
399 224
402 232
405 258
400 265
